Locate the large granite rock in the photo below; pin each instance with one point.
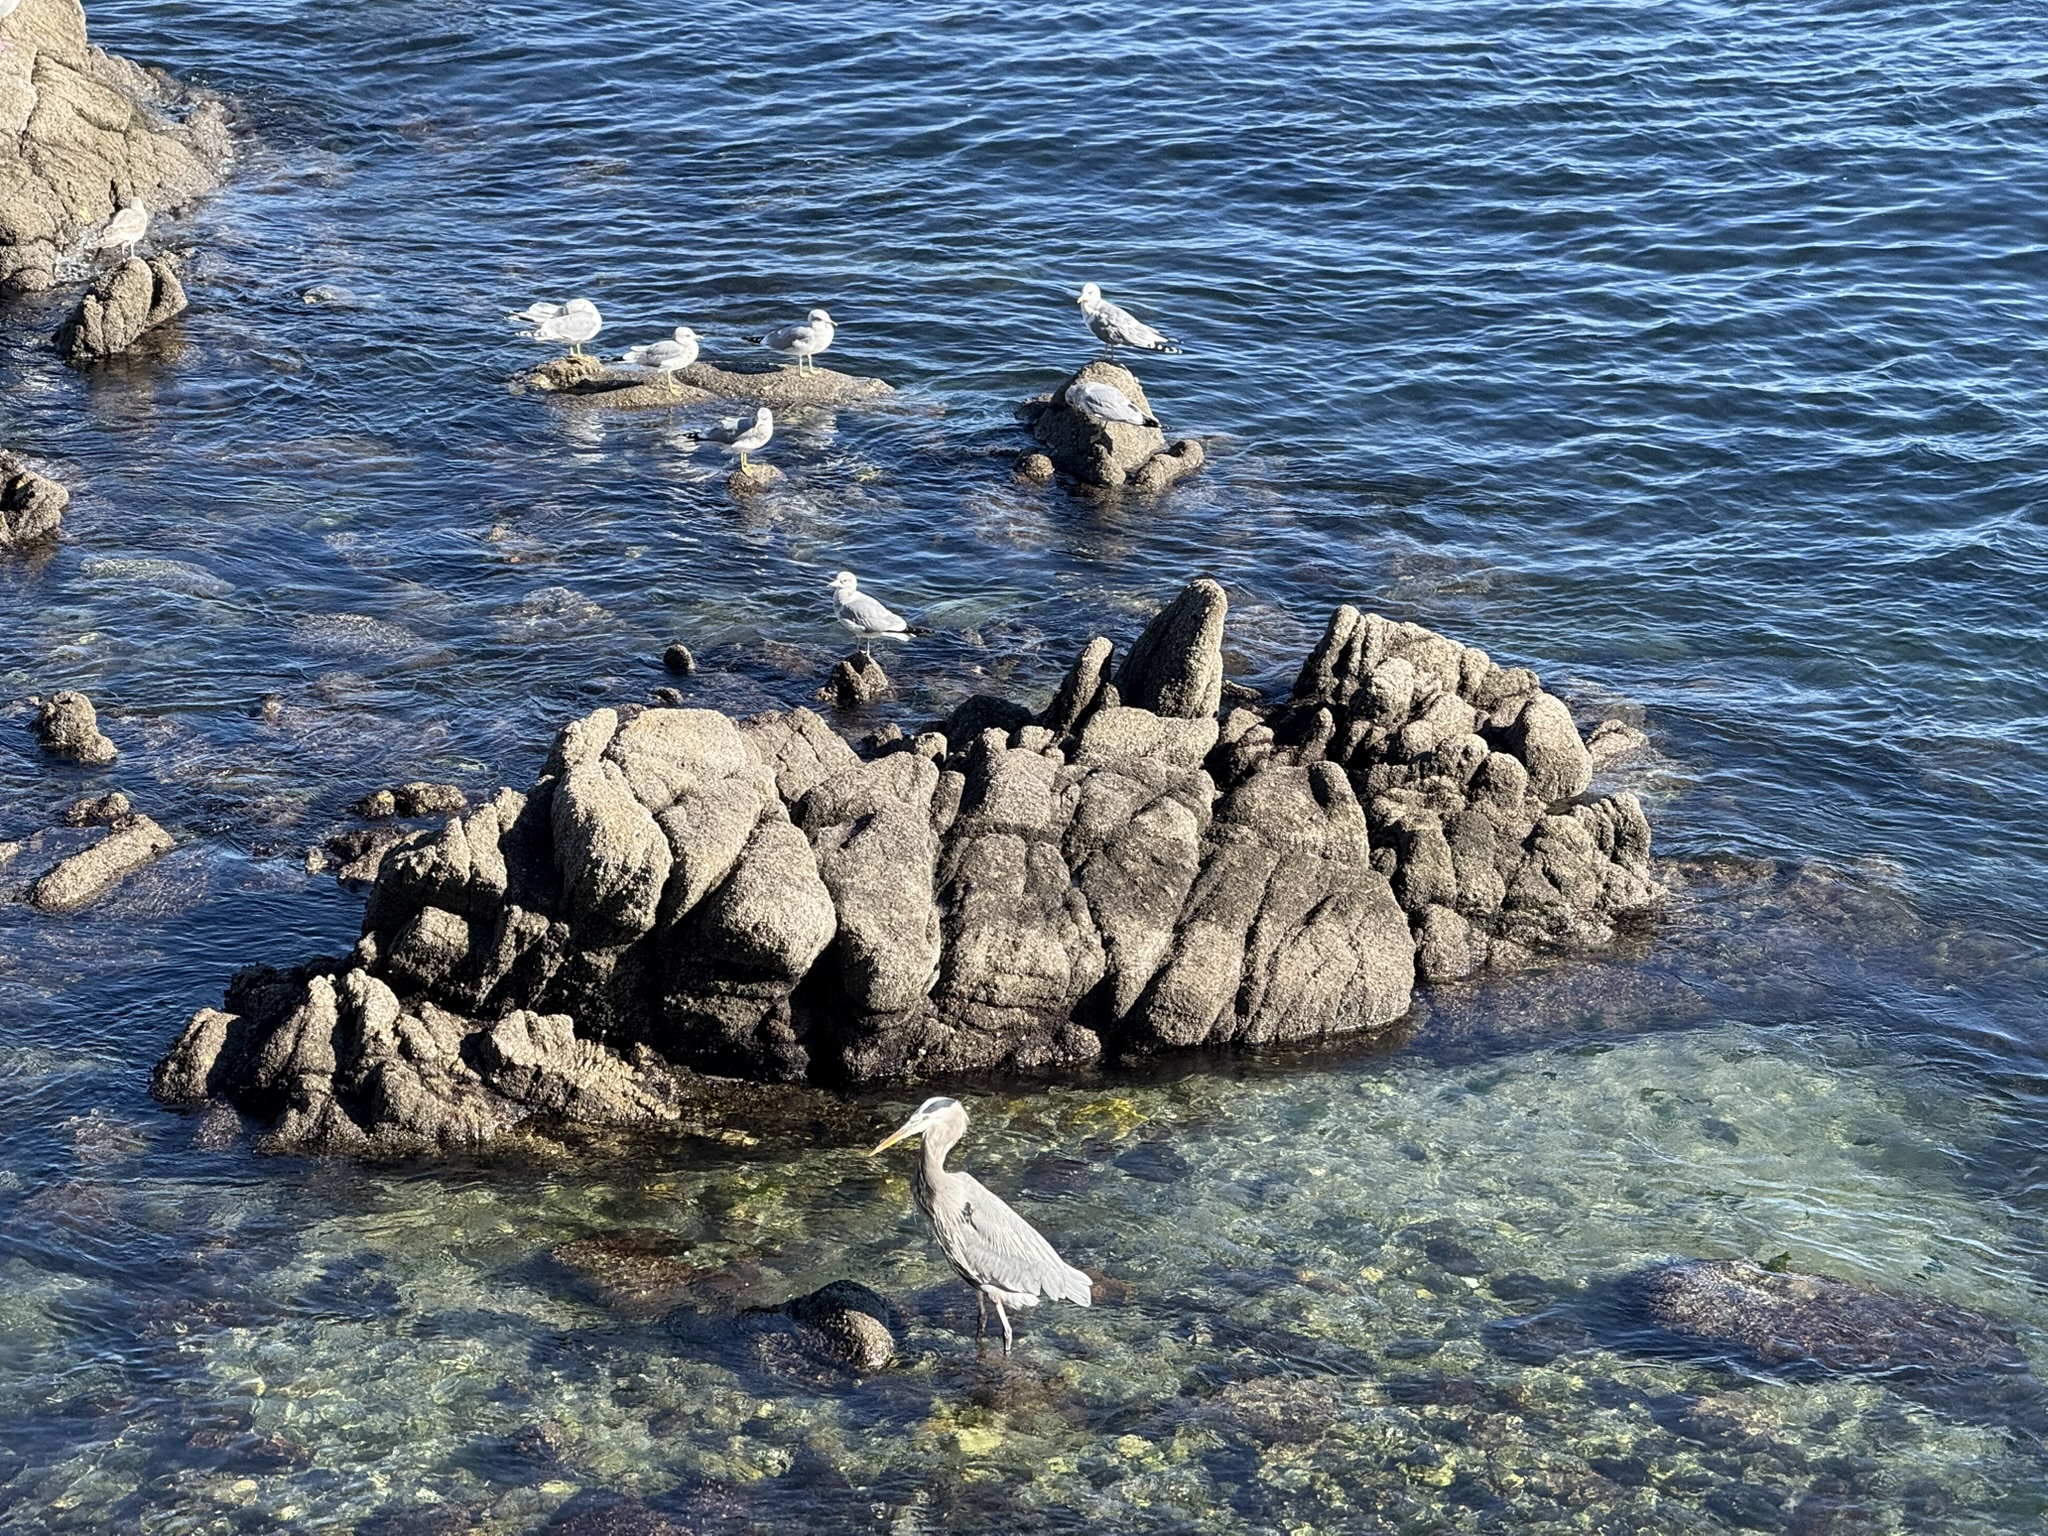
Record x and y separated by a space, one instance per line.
1105 454
1123 873
31 505
122 304
83 134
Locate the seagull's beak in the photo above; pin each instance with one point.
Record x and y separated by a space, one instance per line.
909 1127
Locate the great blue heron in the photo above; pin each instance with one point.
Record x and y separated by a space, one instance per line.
1115 326
989 1245
812 335
574 322
738 435
870 620
665 357
1105 402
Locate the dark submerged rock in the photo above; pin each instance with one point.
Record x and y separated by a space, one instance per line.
857 680
680 893
1949 1356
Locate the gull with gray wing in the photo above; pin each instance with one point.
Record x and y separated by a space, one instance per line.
989 1245
575 322
1115 326
868 619
735 434
665 357
804 340
1105 402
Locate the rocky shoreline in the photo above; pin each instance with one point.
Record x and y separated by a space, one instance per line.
1132 869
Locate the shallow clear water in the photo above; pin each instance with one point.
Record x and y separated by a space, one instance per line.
1691 354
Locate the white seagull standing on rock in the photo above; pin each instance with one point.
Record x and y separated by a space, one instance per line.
125 229
1105 402
665 357
1117 327
574 322
7 9
863 615
738 435
803 340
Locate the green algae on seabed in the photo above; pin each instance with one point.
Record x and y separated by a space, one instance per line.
1299 1271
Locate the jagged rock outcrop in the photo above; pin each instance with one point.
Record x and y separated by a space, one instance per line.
31 505
83 134
121 304
587 378
682 893
68 726
1098 453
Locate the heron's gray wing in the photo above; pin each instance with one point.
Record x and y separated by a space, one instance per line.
871 615
1005 1250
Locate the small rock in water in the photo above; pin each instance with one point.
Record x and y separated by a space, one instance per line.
31 505
845 1322
132 298
667 698
677 659
753 480
1035 467
415 799
360 853
96 810
327 293
68 726
85 877
857 680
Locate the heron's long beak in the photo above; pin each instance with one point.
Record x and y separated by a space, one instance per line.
908 1128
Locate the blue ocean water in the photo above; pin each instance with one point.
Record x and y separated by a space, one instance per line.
1692 354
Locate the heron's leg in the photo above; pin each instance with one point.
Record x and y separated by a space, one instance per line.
1004 1318
980 1313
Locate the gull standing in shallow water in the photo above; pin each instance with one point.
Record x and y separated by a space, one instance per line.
574 322
738 435
125 229
1116 327
989 1245
863 615
803 340
665 357
1105 402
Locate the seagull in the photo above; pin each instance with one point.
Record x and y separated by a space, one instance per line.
814 334
574 322
7 9
1117 327
863 615
1105 402
127 227
737 435
665 357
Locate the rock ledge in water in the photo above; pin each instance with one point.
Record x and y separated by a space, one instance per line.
589 379
681 893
